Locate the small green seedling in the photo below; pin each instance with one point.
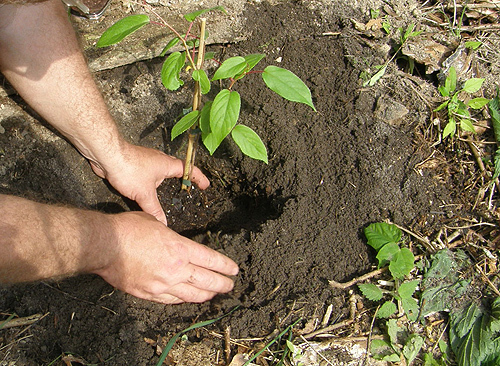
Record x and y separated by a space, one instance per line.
213 119
404 36
458 110
401 344
385 238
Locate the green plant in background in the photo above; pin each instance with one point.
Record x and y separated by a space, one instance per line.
475 335
404 36
457 108
494 109
401 344
385 238
217 119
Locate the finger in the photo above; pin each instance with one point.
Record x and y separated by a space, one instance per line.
189 293
207 280
176 169
205 257
151 205
199 178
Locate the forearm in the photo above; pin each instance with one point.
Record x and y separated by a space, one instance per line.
40 56
39 241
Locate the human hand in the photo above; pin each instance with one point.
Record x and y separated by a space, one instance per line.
138 171
151 261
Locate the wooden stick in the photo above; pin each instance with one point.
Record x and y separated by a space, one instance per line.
19 322
354 281
190 153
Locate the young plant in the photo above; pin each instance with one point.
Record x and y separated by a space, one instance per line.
401 344
385 238
404 36
458 110
214 119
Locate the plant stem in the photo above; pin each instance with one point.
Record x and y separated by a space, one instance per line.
192 135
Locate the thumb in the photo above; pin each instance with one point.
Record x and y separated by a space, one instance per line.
151 205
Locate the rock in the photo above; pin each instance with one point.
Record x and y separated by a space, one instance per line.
390 111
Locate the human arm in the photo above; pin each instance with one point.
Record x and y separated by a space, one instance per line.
132 251
40 56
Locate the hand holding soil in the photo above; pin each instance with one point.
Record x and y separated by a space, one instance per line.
153 262
137 173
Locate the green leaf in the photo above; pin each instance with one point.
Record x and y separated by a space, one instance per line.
402 263
169 45
253 59
494 109
387 309
375 78
380 233
450 83
496 173
381 349
288 85
205 118
450 128
441 106
224 115
444 91
405 34
467 125
473 85
121 29
391 358
386 26
201 77
397 334
171 69
374 13
410 307
429 360
412 347
387 253
406 289
249 143
185 123
230 68
192 16
478 103
371 291
209 55
473 44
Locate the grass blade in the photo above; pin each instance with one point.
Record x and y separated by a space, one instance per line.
287 329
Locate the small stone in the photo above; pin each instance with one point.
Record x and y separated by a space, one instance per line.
390 111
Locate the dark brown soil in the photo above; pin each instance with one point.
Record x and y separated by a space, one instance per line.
291 225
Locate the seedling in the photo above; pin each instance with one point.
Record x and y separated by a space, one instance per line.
401 344
404 36
217 119
385 238
458 110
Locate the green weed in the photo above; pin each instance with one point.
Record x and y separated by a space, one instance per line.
404 36
458 111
